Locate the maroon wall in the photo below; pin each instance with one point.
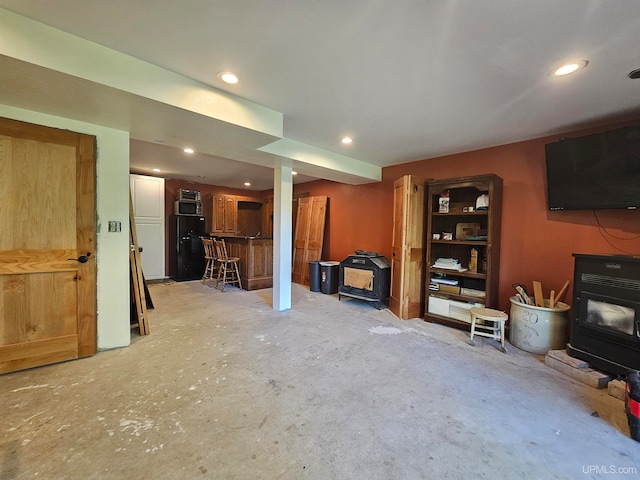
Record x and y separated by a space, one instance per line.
536 244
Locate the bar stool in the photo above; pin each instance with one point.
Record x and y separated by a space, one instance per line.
209 256
493 329
228 271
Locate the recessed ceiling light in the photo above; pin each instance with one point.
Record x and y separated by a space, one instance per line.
346 140
247 184
229 77
157 170
200 176
570 67
293 172
188 150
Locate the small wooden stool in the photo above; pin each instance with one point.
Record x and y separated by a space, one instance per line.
493 330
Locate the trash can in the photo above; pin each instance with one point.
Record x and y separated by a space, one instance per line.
314 276
538 329
329 277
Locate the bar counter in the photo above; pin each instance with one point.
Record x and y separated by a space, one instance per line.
256 260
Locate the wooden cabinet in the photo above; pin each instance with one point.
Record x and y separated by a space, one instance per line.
267 217
237 215
256 260
224 215
463 247
408 249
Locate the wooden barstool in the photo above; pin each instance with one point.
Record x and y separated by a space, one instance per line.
493 329
228 271
209 256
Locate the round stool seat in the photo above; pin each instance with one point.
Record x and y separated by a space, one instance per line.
494 330
489 314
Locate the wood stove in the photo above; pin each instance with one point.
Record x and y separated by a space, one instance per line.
606 312
365 276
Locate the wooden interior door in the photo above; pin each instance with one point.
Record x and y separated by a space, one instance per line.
309 235
47 246
400 201
408 253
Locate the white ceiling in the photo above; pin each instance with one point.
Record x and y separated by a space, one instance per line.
407 79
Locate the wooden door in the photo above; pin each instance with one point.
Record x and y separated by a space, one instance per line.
309 235
400 201
408 253
47 246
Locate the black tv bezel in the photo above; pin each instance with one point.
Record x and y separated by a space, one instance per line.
588 201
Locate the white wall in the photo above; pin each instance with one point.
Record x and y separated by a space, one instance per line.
112 254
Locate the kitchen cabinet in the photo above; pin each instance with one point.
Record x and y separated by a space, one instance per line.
224 216
237 215
267 217
256 260
463 247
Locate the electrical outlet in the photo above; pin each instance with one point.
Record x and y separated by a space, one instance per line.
115 226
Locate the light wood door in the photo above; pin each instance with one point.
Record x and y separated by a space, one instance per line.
309 235
408 253
47 245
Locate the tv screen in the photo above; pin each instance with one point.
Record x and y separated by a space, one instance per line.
595 171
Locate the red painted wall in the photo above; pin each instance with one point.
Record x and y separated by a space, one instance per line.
536 244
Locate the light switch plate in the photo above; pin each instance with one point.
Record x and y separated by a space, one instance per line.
115 226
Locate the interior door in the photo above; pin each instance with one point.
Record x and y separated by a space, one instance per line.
148 206
309 235
47 245
407 263
396 300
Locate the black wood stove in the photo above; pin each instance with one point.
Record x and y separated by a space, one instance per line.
605 328
365 276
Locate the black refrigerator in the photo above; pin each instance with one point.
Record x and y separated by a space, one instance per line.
186 253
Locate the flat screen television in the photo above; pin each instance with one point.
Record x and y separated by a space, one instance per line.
595 171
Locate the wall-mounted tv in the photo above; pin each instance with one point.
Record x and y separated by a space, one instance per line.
595 171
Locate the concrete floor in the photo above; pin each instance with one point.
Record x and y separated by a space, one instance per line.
224 387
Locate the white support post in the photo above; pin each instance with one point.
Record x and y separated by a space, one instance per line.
282 237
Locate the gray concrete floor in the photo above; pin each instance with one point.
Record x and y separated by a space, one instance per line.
224 387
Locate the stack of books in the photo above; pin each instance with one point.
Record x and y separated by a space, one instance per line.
448 264
448 285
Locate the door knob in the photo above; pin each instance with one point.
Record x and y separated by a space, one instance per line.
82 258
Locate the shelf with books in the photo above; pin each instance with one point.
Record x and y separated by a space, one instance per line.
468 235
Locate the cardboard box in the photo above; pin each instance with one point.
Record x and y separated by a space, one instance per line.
438 306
